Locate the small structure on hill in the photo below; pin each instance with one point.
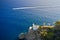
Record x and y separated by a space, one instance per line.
34 27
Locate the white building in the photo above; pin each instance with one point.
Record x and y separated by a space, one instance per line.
35 27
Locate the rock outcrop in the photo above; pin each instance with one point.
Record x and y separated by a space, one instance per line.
30 35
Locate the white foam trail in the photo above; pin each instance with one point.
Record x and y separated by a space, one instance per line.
21 8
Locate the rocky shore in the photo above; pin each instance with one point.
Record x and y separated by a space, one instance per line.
36 32
31 35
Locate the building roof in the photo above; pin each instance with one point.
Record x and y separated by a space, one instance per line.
47 26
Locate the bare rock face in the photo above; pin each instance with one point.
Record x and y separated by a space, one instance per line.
31 35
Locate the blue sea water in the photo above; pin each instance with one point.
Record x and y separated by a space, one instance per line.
13 22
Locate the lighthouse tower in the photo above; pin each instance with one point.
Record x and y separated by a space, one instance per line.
35 27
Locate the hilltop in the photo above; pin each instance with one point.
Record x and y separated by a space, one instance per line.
37 32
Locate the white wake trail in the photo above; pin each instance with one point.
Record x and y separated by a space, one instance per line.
22 8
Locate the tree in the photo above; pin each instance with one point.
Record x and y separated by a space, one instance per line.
57 25
57 30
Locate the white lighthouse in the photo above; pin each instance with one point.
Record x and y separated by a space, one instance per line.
35 27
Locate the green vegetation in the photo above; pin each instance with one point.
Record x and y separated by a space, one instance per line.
57 25
51 33
44 33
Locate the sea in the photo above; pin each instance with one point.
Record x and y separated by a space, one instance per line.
14 22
